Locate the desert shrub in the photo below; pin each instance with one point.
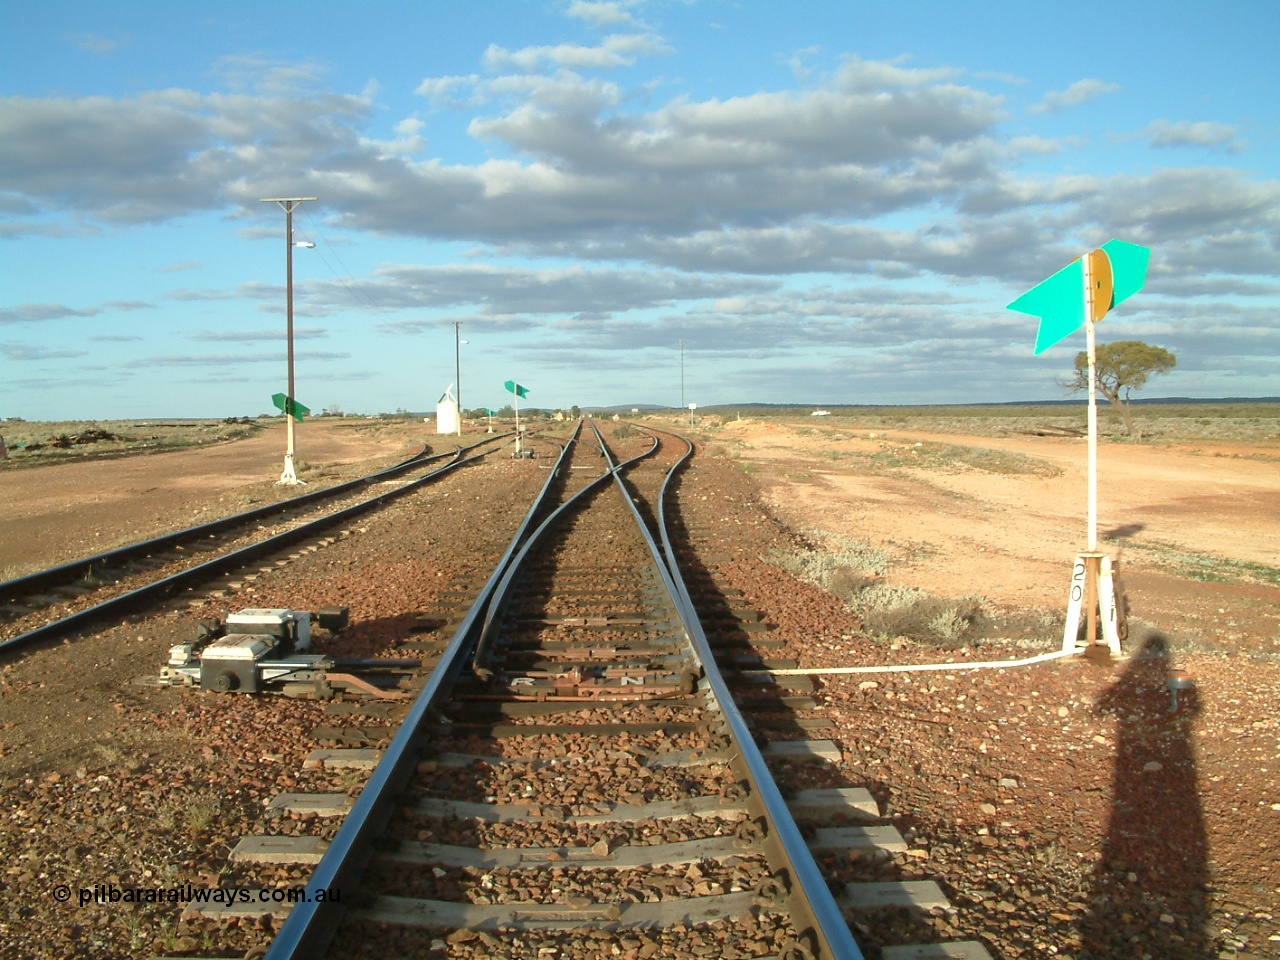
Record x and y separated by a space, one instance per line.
834 560
846 583
840 565
849 570
887 596
951 458
917 615
949 625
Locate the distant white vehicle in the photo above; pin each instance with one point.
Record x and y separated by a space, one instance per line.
820 413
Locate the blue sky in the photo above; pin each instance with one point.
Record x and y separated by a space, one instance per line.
828 202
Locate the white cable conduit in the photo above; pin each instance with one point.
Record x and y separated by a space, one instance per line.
917 667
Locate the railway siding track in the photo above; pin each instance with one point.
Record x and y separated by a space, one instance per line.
880 875
53 602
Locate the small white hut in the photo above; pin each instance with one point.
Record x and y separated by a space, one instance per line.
447 413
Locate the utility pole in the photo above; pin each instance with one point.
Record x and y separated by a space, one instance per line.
682 406
457 369
288 204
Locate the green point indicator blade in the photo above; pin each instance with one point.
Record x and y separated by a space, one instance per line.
1128 267
1058 302
285 405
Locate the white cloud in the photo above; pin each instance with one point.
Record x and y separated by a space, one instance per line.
603 14
1187 133
1190 204
25 352
502 290
882 170
799 62
408 142
1080 92
270 78
95 44
256 336
857 75
451 93
230 361
165 154
37 312
618 50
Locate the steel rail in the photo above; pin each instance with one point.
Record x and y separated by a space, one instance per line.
480 660
203 571
77 569
831 932
311 924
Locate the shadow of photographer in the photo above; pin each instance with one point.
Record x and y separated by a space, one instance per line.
1150 893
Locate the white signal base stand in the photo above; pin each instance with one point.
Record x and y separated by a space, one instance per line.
519 436
1093 596
289 477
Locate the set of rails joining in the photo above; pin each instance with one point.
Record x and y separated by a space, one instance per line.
70 580
518 654
824 914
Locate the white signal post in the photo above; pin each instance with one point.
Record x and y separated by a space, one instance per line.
1111 275
515 390
1092 577
519 435
1091 349
289 476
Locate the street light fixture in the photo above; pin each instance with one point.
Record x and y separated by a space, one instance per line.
287 204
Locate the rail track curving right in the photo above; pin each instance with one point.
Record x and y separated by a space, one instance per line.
574 766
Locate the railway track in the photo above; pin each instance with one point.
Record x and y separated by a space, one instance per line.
573 771
575 777
53 602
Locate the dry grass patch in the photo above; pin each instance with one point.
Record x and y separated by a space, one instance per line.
38 442
851 570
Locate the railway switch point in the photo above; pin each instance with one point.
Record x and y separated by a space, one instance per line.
266 650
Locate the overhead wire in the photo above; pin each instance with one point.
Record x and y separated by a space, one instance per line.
354 291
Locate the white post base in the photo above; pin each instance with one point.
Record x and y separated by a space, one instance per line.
288 477
1093 595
